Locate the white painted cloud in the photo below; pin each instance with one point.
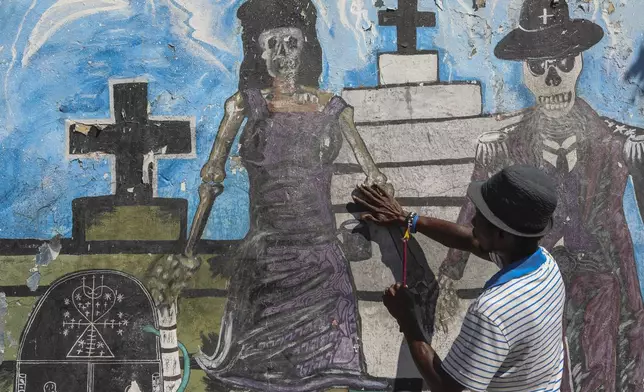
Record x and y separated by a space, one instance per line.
61 13
358 24
205 17
183 25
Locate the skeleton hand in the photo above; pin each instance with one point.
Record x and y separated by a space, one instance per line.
380 180
169 275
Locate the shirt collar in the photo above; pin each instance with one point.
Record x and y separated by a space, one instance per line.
518 269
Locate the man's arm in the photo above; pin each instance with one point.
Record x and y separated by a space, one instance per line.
399 301
430 366
475 357
451 235
385 210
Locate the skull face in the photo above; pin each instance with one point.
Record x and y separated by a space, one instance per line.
282 48
553 83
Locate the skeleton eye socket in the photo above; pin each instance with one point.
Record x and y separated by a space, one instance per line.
291 43
272 42
537 67
566 64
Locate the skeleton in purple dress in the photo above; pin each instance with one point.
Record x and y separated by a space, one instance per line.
291 322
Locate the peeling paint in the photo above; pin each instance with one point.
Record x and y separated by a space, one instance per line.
33 281
48 251
3 315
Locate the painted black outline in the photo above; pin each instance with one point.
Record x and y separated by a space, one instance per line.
29 247
352 168
381 123
398 85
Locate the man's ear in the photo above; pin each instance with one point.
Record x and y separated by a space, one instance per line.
504 238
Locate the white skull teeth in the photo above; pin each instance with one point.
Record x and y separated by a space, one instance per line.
556 102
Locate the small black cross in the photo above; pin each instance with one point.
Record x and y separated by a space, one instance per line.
406 19
130 137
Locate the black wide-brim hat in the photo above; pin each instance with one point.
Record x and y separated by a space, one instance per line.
547 32
519 199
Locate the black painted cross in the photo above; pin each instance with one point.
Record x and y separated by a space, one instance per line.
130 137
406 19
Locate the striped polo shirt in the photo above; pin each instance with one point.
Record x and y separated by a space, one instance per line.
511 338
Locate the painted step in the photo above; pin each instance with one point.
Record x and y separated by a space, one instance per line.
418 181
396 68
449 139
415 102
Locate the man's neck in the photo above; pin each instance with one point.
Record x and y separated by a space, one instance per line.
515 255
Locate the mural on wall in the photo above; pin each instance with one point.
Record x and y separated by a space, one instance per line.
291 322
591 157
195 159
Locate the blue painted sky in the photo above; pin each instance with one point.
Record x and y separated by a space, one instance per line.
56 58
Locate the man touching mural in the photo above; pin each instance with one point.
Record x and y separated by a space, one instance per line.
565 137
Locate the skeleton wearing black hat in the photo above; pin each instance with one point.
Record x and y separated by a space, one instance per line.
591 157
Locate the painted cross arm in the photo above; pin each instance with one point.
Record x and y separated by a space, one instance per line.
174 137
84 139
421 19
406 19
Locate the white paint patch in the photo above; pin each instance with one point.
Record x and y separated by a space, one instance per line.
362 28
402 69
14 54
3 314
180 27
62 13
205 18
133 387
323 11
183 186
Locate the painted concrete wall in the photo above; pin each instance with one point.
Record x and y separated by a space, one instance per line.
110 110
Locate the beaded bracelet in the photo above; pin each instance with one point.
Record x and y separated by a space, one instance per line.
410 220
414 222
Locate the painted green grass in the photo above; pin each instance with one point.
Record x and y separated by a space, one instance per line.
135 223
198 316
18 311
15 269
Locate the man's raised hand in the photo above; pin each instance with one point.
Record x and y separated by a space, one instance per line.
382 208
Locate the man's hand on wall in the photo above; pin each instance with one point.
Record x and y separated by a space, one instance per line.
382 208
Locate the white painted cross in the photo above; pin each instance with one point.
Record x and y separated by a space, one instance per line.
545 16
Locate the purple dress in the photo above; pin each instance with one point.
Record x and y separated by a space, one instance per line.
291 321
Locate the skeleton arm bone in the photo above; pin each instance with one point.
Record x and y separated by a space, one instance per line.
213 172
364 158
215 169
